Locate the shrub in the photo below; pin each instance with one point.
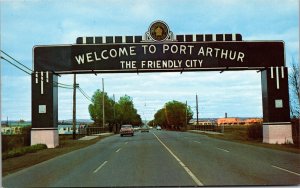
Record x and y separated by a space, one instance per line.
23 150
296 131
254 132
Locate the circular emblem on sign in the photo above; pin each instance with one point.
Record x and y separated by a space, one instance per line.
159 30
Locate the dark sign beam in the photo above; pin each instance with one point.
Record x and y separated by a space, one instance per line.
157 57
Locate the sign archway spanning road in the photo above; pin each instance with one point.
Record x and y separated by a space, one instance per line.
159 50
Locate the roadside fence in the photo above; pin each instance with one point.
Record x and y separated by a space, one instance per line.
213 128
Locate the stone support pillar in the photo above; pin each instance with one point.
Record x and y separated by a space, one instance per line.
44 109
276 110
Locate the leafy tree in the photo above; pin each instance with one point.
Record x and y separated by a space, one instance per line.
96 108
160 118
151 123
137 121
174 115
126 113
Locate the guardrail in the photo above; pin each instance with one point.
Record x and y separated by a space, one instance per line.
213 128
92 130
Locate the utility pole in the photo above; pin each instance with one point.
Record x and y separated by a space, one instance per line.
103 117
114 107
166 114
186 113
114 112
145 116
74 107
197 108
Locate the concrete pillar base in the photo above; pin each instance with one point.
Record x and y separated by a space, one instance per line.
277 133
48 136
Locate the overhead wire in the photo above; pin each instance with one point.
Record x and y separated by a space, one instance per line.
15 65
84 94
17 61
21 67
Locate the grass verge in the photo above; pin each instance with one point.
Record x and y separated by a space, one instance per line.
239 134
23 150
66 145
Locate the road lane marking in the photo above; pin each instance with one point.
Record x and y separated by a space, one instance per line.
222 149
118 150
100 167
190 173
197 142
286 170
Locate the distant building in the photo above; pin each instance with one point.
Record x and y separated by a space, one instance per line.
251 121
238 121
229 121
68 129
202 122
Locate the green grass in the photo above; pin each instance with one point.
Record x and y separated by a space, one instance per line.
23 150
240 134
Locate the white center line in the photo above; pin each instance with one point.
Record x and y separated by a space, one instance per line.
222 149
190 173
286 170
118 150
197 142
100 167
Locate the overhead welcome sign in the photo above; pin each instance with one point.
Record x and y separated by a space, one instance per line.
175 55
160 52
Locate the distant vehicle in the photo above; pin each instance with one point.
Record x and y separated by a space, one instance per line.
145 128
136 128
158 127
126 130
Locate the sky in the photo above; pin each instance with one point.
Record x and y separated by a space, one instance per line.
26 23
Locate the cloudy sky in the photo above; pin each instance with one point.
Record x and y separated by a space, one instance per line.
25 23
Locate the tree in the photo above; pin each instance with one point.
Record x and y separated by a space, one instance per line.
126 113
150 123
161 119
124 110
174 115
294 82
96 107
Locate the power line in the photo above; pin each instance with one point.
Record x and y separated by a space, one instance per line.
30 73
15 65
17 61
68 85
84 94
63 87
56 84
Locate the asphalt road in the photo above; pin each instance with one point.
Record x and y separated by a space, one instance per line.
162 158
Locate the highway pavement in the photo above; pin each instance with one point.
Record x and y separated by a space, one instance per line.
162 158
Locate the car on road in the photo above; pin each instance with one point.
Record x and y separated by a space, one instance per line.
126 130
158 127
145 128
